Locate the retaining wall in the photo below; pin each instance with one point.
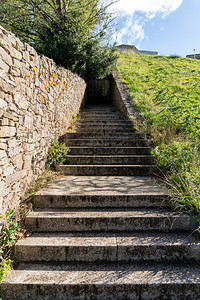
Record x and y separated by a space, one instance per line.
37 102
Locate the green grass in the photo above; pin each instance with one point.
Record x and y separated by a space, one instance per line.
166 91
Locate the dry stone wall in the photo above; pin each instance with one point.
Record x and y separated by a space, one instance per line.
37 102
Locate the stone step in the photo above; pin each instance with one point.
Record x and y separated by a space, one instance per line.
100 112
102 117
108 142
101 133
72 220
109 160
105 126
109 282
105 170
110 150
88 114
108 129
110 135
97 201
103 122
104 247
103 191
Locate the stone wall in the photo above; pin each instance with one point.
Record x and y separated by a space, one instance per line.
121 98
37 102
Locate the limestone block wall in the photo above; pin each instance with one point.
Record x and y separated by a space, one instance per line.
37 102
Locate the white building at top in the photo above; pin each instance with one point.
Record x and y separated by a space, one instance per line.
132 48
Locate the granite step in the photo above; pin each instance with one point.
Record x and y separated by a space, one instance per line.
102 117
107 135
102 192
105 170
147 200
103 122
108 142
109 160
107 220
104 247
110 150
109 282
102 125
104 128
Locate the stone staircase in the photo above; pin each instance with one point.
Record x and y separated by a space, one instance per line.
122 149
105 230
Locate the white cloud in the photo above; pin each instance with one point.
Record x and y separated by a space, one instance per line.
150 7
133 30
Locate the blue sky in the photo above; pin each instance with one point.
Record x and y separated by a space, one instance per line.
166 26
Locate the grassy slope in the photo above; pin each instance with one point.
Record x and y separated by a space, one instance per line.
167 92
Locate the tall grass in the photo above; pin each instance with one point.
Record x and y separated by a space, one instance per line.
166 90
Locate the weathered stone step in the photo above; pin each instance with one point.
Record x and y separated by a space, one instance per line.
146 200
100 112
110 150
109 160
104 247
71 220
108 142
103 191
110 135
104 128
103 122
101 133
109 282
102 117
106 170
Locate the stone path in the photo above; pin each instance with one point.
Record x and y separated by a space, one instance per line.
105 230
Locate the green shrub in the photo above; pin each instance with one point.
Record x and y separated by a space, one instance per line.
56 155
10 233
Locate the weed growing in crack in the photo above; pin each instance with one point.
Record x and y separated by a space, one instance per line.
56 155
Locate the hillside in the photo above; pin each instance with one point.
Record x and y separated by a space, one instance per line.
166 90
